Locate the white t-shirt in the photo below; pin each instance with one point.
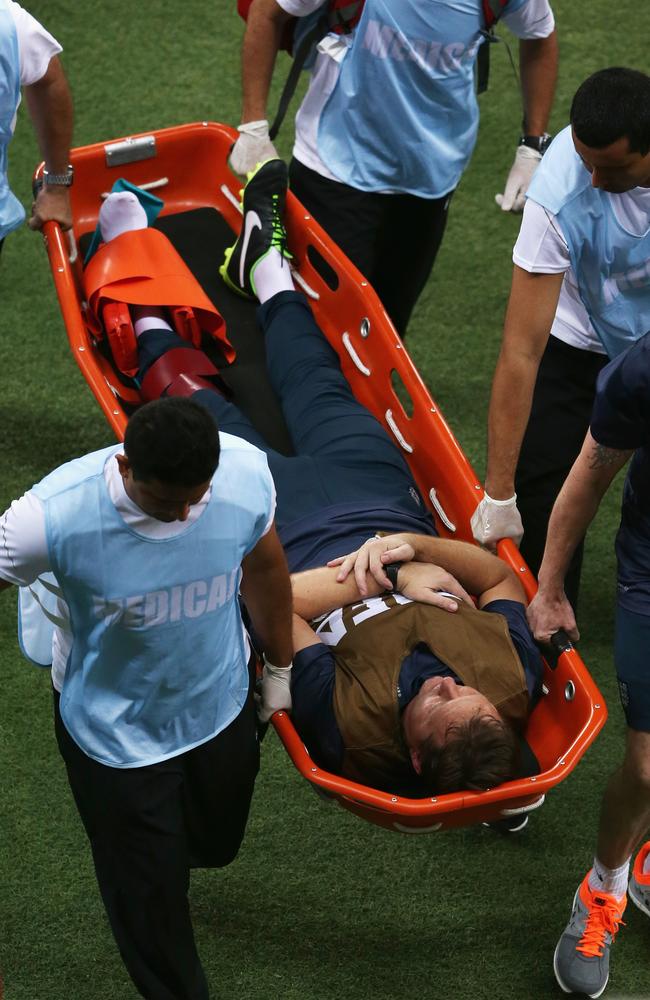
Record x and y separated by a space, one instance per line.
533 20
35 45
24 554
542 249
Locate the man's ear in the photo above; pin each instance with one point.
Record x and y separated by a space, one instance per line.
123 465
416 760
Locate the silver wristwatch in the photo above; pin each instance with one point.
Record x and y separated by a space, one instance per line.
63 180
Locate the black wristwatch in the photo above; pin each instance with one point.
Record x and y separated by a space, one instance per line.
538 142
392 570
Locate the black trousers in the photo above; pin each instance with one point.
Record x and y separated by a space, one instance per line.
559 419
393 239
147 827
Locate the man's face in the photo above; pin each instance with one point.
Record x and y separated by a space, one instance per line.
439 704
614 168
163 501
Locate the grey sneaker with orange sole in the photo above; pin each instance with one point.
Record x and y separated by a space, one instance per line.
581 960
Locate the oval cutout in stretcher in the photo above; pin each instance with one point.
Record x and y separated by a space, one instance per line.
142 268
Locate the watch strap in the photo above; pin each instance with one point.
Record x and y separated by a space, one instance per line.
538 142
392 571
62 180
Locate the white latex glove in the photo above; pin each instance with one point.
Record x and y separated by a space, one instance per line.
496 519
252 147
521 174
276 690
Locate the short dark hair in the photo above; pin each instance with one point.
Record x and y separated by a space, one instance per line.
478 754
173 440
611 104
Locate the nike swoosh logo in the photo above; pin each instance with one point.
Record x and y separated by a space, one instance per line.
251 222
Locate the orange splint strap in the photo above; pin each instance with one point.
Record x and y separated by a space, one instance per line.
143 268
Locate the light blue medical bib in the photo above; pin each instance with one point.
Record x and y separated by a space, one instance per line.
158 662
403 114
12 212
611 265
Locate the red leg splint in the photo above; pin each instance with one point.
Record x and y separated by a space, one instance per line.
143 268
179 372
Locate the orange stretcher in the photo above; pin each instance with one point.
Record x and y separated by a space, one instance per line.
187 167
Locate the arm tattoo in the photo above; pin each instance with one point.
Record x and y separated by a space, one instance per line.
601 456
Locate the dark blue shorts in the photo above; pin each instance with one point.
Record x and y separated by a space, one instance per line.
632 658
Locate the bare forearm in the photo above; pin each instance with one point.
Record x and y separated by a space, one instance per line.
509 410
317 591
479 572
575 508
266 590
50 107
538 63
267 598
573 512
529 317
264 29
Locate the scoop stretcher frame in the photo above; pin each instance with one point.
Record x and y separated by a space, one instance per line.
187 167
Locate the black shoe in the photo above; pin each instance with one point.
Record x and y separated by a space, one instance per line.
511 824
263 201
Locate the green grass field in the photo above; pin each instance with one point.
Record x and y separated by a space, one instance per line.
318 906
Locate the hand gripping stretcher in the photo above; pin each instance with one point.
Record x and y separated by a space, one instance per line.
187 166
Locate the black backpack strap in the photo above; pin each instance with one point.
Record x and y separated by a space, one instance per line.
483 61
492 11
299 59
342 20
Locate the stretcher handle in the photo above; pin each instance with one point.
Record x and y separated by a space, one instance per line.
558 643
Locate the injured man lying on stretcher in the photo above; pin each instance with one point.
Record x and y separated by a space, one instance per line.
399 681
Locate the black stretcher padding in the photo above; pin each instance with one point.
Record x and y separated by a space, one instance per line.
528 764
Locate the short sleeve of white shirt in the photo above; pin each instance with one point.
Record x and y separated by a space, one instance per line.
24 554
540 247
532 20
269 523
300 8
36 45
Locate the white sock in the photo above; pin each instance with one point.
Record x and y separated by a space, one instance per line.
272 275
646 865
610 880
148 318
121 213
